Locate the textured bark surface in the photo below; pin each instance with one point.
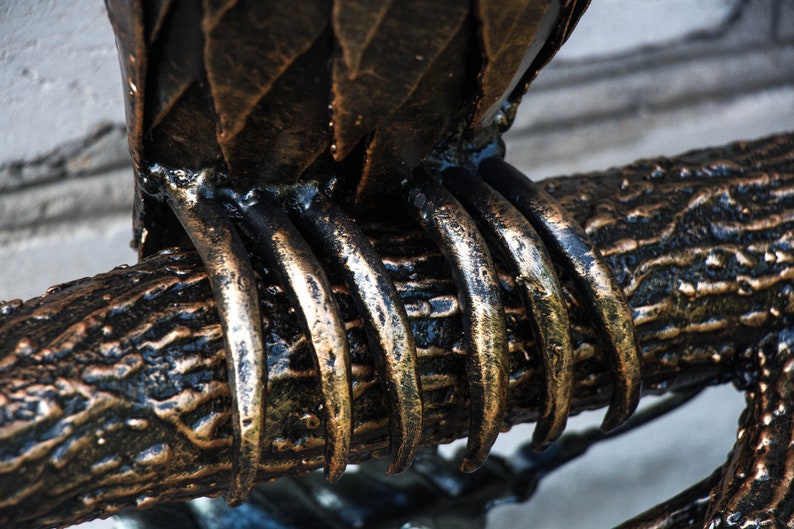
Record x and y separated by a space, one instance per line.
114 392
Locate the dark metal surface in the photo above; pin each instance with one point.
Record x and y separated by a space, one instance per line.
279 245
115 390
432 494
577 254
362 90
527 260
232 280
756 483
348 98
252 116
485 334
385 321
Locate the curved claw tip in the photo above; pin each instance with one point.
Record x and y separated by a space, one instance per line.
616 417
401 458
395 469
541 441
337 446
240 488
548 431
404 441
471 464
540 447
234 500
398 464
624 401
333 471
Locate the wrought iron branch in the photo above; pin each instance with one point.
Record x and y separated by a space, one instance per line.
114 389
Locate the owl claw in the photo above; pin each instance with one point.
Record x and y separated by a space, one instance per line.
571 246
447 223
283 249
232 279
526 258
508 211
385 321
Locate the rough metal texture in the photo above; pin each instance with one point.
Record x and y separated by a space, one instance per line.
356 98
432 494
114 388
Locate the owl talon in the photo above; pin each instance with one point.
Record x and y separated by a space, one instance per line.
527 260
232 279
447 223
571 246
276 240
385 321
509 213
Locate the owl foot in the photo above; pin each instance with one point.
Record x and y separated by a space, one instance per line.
287 226
521 221
284 227
571 247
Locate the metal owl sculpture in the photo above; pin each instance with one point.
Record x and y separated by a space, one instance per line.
267 128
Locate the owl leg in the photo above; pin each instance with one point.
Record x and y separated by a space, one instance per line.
572 248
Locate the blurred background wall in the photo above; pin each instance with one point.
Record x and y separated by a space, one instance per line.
638 78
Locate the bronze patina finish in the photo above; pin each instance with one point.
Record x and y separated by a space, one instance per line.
282 249
238 92
573 249
232 280
485 335
529 264
115 391
382 313
347 333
